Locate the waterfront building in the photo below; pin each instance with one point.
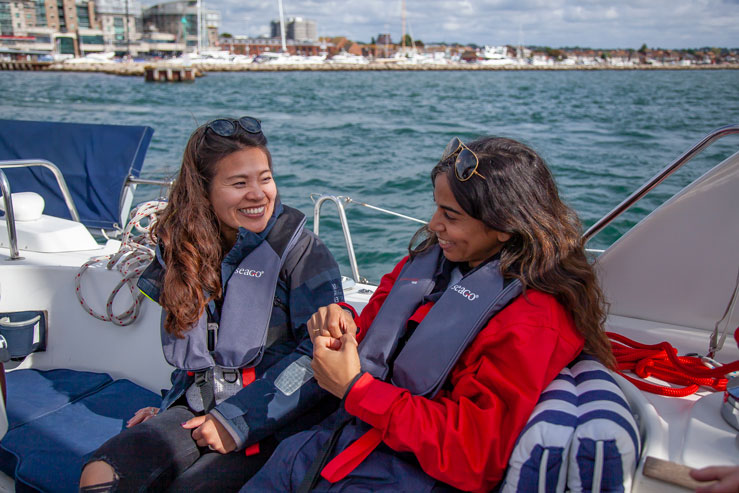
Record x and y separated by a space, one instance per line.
180 17
62 23
297 29
35 42
120 21
244 45
164 45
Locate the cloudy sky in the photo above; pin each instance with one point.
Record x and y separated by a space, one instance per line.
556 23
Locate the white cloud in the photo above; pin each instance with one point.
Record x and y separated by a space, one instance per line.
595 23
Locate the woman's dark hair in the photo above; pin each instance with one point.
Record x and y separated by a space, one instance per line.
546 251
188 230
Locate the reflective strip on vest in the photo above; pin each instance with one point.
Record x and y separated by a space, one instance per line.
246 311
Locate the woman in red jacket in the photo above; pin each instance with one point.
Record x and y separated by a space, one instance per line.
458 341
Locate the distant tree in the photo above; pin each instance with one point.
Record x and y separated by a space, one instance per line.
372 40
554 53
643 49
226 35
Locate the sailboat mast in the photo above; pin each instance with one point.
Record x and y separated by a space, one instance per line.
282 27
199 21
402 16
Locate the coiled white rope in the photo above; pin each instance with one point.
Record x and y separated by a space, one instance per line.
133 256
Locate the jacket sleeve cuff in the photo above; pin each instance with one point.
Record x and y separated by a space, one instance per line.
370 400
230 429
349 308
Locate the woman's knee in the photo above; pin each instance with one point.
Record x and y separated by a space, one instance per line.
98 476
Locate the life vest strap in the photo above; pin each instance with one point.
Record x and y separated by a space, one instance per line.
352 456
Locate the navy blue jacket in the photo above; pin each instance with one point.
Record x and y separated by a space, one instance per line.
309 279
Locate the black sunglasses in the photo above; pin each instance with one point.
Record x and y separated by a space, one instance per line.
227 127
466 163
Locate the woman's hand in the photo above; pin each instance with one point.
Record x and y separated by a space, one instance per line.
143 414
335 368
331 321
207 431
727 479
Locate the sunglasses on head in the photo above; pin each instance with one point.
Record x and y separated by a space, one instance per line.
466 163
227 127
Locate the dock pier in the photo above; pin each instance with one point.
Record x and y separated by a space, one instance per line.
169 74
24 65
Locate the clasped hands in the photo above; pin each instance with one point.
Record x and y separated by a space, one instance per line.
335 357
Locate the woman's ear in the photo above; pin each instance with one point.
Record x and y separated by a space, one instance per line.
503 237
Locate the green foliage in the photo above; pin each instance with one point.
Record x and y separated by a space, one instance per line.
554 53
643 49
409 41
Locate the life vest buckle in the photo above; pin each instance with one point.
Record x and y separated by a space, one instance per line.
212 336
231 375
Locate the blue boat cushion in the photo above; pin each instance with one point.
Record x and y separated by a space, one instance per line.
581 436
57 418
95 160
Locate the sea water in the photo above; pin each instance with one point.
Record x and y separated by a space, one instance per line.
374 136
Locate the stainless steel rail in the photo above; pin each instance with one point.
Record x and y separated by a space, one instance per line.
344 227
25 163
146 181
339 200
9 217
659 178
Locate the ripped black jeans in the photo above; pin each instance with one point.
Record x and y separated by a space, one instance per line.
160 455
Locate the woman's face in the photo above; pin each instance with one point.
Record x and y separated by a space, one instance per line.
243 192
462 238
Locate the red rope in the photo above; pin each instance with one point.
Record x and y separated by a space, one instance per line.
661 361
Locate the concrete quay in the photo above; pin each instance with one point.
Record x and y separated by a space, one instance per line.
139 68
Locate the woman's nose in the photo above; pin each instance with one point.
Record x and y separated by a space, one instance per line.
255 193
435 224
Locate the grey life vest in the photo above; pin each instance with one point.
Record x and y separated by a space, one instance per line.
238 340
465 307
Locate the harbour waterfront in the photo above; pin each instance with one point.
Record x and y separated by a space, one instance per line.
374 136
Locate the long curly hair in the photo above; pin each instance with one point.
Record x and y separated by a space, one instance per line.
546 251
188 230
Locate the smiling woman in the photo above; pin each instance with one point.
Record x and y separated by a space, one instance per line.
458 341
237 277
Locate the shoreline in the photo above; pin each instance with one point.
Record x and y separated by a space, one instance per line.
138 68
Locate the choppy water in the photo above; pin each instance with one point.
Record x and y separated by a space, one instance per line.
375 136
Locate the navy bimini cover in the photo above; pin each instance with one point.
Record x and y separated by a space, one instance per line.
57 418
94 159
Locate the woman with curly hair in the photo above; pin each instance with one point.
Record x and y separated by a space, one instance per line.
237 277
457 342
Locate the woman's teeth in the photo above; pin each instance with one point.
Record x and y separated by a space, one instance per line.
252 211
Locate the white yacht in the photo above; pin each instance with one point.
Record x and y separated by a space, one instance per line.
673 277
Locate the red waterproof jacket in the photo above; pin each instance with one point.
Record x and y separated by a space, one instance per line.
465 436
